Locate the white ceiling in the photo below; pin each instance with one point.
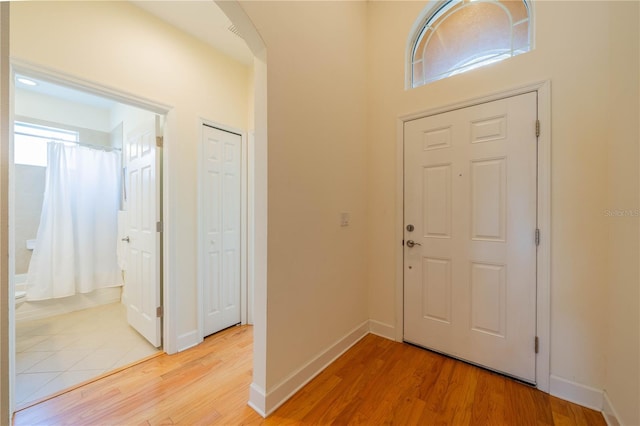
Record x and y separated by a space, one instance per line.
204 20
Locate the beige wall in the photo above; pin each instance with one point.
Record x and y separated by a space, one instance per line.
574 57
317 169
622 382
117 45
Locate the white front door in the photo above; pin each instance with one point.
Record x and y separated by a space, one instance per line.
142 278
221 196
470 200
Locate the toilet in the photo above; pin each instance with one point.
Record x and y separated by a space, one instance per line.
21 296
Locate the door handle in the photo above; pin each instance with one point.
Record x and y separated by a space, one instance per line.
126 239
411 243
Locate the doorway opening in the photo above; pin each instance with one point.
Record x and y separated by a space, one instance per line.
86 197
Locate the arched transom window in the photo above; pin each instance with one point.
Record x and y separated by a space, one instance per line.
460 35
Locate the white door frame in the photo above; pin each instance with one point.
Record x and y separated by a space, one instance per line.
169 337
543 302
245 289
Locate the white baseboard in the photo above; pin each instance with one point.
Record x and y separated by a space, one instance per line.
257 399
381 329
29 311
266 404
609 412
575 392
188 340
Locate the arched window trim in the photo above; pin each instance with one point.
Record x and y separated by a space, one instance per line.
433 10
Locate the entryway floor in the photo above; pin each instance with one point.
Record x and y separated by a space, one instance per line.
59 352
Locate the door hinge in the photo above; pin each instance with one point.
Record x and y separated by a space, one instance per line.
159 141
158 226
536 344
159 312
537 128
537 236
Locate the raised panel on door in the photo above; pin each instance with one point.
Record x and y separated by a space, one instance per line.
488 299
488 199
221 193
436 289
488 129
470 192
436 199
212 278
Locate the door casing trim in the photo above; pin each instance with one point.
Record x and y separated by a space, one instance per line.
543 268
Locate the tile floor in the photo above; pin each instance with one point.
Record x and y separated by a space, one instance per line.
55 353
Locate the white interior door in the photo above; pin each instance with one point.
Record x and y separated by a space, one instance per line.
142 278
470 196
222 234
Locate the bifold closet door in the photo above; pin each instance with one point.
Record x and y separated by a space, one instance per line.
221 248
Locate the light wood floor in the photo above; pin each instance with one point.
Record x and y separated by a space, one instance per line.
376 382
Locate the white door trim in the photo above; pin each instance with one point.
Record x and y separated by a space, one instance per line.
543 305
54 76
245 290
18 66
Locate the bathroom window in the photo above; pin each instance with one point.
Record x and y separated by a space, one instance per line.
30 142
460 35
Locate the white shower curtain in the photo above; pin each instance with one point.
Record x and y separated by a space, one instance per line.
75 249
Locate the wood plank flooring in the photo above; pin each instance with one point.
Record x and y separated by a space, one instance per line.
376 382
